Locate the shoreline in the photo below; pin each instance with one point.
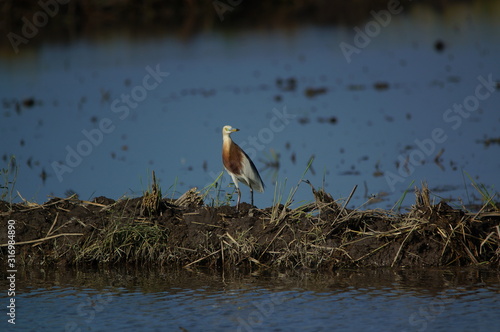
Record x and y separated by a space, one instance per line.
186 233
30 24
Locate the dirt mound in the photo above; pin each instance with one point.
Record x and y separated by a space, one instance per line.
185 232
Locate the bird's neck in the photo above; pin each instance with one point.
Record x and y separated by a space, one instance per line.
227 144
226 140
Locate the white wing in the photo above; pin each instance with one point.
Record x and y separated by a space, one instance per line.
250 176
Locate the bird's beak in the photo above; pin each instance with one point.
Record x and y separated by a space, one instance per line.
234 129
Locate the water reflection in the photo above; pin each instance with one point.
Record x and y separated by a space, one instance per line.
347 299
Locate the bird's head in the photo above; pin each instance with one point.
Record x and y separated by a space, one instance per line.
226 130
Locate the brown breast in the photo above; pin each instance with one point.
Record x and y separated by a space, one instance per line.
232 157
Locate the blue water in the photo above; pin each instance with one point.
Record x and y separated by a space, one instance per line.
371 300
101 121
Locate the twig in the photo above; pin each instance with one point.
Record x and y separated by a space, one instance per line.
251 259
368 254
345 204
483 207
485 240
222 253
46 204
471 256
402 243
199 260
205 224
232 239
43 239
94 203
274 238
448 238
53 224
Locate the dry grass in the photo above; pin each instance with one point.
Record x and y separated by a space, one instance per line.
125 240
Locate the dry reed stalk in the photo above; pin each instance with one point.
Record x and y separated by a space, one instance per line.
274 238
371 252
199 260
192 196
401 246
43 239
53 224
345 204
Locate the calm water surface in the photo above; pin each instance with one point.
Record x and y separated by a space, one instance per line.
359 300
100 114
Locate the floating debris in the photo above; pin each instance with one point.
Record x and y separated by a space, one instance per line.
82 101
352 172
105 95
453 79
356 87
381 86
287 84
313 92
29 102
437 159
378 172
43 175
490 141
453 165
439 45
445 188
331 120
208 93
304 120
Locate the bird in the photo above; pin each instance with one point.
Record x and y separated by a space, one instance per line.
239 165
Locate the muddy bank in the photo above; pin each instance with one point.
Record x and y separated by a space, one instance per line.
187 233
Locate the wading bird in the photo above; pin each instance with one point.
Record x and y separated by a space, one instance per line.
239 165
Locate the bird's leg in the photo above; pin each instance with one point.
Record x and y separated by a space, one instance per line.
239 198
251 196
